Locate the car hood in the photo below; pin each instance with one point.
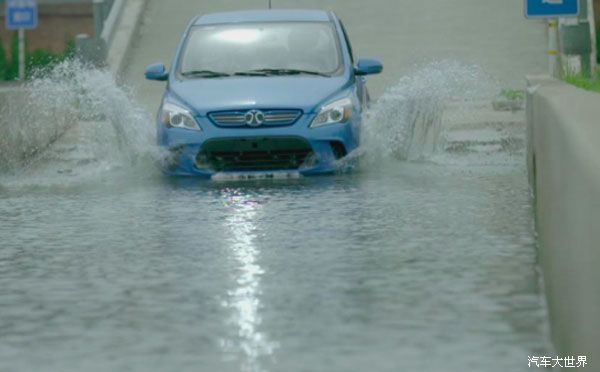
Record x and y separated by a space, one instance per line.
243 93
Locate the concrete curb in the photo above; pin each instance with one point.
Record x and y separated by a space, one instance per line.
108 31
564 167
122 34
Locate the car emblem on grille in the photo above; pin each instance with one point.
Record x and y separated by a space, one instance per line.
254 118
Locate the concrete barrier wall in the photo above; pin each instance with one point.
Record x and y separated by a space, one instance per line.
564 164
124 29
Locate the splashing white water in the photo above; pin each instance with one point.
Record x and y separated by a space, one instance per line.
406 123
92 124
95 125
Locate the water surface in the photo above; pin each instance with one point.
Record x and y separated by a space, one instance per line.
419 260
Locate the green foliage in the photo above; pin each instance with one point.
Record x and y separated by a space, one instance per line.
583 82
70 49
37 60
598 45
3 62
513 94
12 72
40 59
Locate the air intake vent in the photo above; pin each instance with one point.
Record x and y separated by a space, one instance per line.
237 119
255 154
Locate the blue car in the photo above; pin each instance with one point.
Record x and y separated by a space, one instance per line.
262 92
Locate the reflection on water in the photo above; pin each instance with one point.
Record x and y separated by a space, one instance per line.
244 299
415 266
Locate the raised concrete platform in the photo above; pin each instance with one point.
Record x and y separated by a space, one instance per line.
564 165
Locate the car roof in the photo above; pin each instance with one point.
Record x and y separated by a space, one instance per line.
266 15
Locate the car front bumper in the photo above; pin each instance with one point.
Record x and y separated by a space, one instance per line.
294 149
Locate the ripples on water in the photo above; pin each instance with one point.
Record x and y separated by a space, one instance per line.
422 260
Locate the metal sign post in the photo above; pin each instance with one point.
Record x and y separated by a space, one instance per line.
552 10
554 65
21 15
594 36
21 54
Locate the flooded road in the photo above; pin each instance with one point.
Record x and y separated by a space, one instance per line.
422 259
422 267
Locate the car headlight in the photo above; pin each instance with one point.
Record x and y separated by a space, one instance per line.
336 112
175 116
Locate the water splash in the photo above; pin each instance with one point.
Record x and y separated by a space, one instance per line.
92 124
407 122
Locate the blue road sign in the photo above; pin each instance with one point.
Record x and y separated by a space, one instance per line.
551 8
21 14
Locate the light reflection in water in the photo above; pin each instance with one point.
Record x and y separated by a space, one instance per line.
244 299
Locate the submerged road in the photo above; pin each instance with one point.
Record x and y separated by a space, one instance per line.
423 265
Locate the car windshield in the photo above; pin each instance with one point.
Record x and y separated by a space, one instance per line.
261 49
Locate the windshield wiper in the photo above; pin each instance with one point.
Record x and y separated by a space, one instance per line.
250 73
204 73
288 71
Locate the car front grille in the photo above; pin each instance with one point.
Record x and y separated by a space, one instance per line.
256 154
236 119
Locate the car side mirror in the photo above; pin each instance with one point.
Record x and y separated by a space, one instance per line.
368 66
157 71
